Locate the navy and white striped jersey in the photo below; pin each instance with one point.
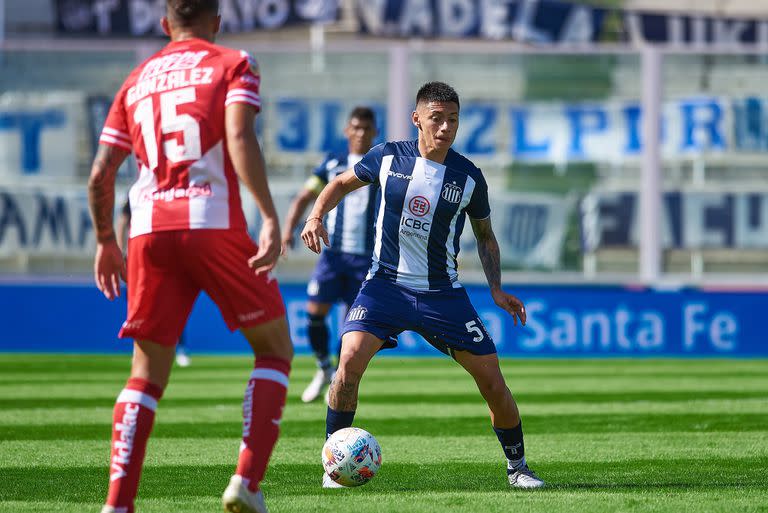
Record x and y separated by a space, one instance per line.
350 224
421 213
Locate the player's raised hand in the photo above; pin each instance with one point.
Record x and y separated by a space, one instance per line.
269 247
313 233
510 304
108 268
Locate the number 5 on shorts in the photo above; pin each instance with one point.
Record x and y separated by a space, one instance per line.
472 327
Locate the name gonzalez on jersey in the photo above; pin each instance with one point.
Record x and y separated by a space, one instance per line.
169 72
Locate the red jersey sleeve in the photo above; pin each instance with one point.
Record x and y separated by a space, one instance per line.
244 83
115 131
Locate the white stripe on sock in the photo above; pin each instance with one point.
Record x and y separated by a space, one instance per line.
134 396
270 375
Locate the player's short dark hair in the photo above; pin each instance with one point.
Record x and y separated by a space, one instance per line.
363 114
437 92
187 12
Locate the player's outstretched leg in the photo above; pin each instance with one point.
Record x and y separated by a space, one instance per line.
505 417
317 331
357 349
133 417
262 412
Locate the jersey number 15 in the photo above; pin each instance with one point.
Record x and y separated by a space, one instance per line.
170 122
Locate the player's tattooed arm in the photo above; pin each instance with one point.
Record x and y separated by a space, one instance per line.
101 190
109 265
490 258
488 251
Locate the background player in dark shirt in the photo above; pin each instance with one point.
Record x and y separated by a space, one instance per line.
342 266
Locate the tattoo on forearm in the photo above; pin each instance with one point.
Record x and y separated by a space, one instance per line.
343 394
101 190
490 258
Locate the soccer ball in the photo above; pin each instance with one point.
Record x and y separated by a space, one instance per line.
351 456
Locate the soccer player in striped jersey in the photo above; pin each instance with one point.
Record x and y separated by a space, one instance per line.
342 266
427 192
187 113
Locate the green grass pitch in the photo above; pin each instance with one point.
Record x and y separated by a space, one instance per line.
611 435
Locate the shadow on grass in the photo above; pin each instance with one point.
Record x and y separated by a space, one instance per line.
89 484
472 397
641 422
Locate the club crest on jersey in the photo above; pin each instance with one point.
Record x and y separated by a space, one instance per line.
419 206
357 313
253 64
452 193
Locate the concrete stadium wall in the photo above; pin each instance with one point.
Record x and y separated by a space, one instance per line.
564 321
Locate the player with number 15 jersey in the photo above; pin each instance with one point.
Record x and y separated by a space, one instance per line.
187 113
170 112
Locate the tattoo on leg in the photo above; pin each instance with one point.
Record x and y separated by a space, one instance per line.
343 394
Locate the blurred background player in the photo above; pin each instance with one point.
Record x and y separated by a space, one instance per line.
123 230
343 265
188 114
427 190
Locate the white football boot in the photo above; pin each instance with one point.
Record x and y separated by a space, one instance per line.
238 498
330 483
182 358
525 478
317 386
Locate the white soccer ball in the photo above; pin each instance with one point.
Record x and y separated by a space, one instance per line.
351 456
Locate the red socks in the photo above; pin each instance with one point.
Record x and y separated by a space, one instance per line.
262 410
132 422
134 415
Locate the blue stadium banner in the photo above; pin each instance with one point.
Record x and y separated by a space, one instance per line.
563 321
695 31
690 219
550 22
598 131
533 21
141 17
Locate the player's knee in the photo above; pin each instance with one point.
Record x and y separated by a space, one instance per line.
494 388
348 373
282 349
277 347
352 362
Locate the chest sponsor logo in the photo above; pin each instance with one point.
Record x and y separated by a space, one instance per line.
452 193
400 175
419 206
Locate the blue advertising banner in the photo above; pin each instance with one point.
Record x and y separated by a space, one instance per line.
562 322
690 219
141 17
552 22
39 134
608 131
694 30
539 21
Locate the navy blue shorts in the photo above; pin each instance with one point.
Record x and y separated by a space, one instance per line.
446 318
337 277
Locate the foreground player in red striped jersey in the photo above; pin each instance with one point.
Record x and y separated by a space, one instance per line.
188 114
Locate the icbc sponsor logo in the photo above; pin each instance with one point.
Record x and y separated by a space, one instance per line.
419 206
417 224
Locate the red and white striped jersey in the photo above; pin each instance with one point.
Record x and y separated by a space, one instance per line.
170 113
